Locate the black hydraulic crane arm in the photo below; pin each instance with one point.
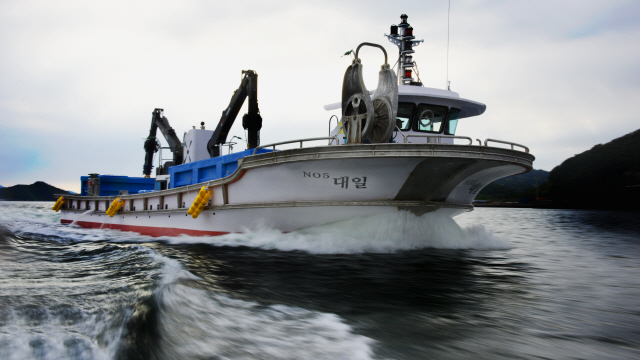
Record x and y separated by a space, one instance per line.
151 145
252 121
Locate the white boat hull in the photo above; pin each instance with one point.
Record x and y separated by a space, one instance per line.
294 189
220 222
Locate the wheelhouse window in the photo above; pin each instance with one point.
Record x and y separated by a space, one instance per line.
405 114
429 118
454 115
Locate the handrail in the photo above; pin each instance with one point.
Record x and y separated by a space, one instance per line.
338 125
406 137
401 133
526 149
372 45
439 137
291 142
337 122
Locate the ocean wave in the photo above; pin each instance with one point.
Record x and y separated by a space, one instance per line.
195 323
69 301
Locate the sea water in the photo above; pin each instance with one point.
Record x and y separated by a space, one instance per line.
491 284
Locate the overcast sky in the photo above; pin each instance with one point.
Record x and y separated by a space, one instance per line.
79 79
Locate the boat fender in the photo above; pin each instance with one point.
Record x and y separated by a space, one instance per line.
200 202
196 201
115 207
56 207
113 204
119 206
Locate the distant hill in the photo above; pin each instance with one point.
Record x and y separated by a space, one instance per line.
38 191
517 187
607 176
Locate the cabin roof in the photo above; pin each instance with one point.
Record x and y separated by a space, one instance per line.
418 94
434 96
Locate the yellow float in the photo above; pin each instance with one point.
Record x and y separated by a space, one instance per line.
115 206
200 202
56 207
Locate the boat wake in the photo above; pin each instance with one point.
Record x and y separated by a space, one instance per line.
371 234
69 317
155 309
380 233
197 323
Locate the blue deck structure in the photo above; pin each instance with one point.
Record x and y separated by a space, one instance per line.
111 185
207 169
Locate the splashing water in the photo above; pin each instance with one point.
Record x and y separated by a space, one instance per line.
370 234
382 233
83 214
215 325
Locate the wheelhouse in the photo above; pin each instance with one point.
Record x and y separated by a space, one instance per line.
425 115
426 111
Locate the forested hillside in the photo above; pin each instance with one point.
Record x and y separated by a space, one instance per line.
523 187
38 191
607 176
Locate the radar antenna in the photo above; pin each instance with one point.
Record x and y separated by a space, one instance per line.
402 36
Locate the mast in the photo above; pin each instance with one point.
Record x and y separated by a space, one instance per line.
402 36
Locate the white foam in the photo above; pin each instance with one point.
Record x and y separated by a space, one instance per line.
172 269
52 337
200 324
28 211
196 323
376 233
479 237
381 233
85 330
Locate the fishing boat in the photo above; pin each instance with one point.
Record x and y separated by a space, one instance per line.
392 149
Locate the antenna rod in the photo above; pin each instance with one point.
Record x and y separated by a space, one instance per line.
448 17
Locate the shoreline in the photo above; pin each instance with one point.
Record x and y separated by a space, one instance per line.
549 206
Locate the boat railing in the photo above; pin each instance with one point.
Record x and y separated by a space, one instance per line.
512 144
337 122
161 158
438 137
273 145
401 133
338 127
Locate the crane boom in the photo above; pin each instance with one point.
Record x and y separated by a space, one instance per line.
151 145
252 121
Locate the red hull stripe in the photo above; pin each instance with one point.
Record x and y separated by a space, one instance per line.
146 230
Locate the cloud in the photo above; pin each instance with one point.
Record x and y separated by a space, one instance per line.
19 156
79 80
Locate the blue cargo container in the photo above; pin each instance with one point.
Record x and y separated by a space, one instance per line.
112 184
207 169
